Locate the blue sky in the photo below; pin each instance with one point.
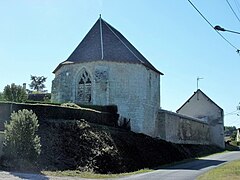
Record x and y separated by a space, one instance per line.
36 35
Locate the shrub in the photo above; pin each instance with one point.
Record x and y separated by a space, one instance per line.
22 144
39 96
15 93
1 96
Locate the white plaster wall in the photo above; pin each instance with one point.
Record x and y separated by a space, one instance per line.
200 106
132 87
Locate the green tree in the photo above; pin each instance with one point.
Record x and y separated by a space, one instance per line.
230 131
1 96
15 93
37 83
234 135
21 141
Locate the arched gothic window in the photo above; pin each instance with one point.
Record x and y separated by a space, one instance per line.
84 88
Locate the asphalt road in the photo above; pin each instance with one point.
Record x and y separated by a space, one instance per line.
188 171
185 171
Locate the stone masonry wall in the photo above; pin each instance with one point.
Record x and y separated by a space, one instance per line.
182 129
132 87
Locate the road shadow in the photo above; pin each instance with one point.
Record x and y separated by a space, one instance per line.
29 176
197 164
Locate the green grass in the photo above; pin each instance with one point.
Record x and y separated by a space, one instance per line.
91 174
229 171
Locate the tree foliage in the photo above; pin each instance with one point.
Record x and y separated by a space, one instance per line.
15 93
21 141
234 135
37 83
1 96
230 131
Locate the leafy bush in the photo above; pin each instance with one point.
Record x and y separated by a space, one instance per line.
1 96
230 131
15 93
39 97
22 144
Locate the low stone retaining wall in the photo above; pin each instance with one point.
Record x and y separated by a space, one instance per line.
181 129
45 112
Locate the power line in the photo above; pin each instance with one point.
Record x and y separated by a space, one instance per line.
235 121
237 50
231 113
233 10
237 5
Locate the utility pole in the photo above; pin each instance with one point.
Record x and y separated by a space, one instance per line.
198 78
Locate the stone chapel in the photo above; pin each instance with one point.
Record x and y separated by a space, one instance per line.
106 69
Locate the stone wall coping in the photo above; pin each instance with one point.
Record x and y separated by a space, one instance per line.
183 116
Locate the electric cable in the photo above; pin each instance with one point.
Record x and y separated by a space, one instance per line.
237 5
235 121
237 50
232 10
231 113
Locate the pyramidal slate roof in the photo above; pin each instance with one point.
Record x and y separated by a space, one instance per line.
104 43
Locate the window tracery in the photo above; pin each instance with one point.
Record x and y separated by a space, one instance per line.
84 90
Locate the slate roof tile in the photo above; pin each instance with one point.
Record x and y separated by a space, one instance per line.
104 42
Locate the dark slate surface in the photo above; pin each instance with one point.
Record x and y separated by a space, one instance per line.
115 47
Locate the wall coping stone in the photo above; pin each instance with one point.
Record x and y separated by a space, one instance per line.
183 116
